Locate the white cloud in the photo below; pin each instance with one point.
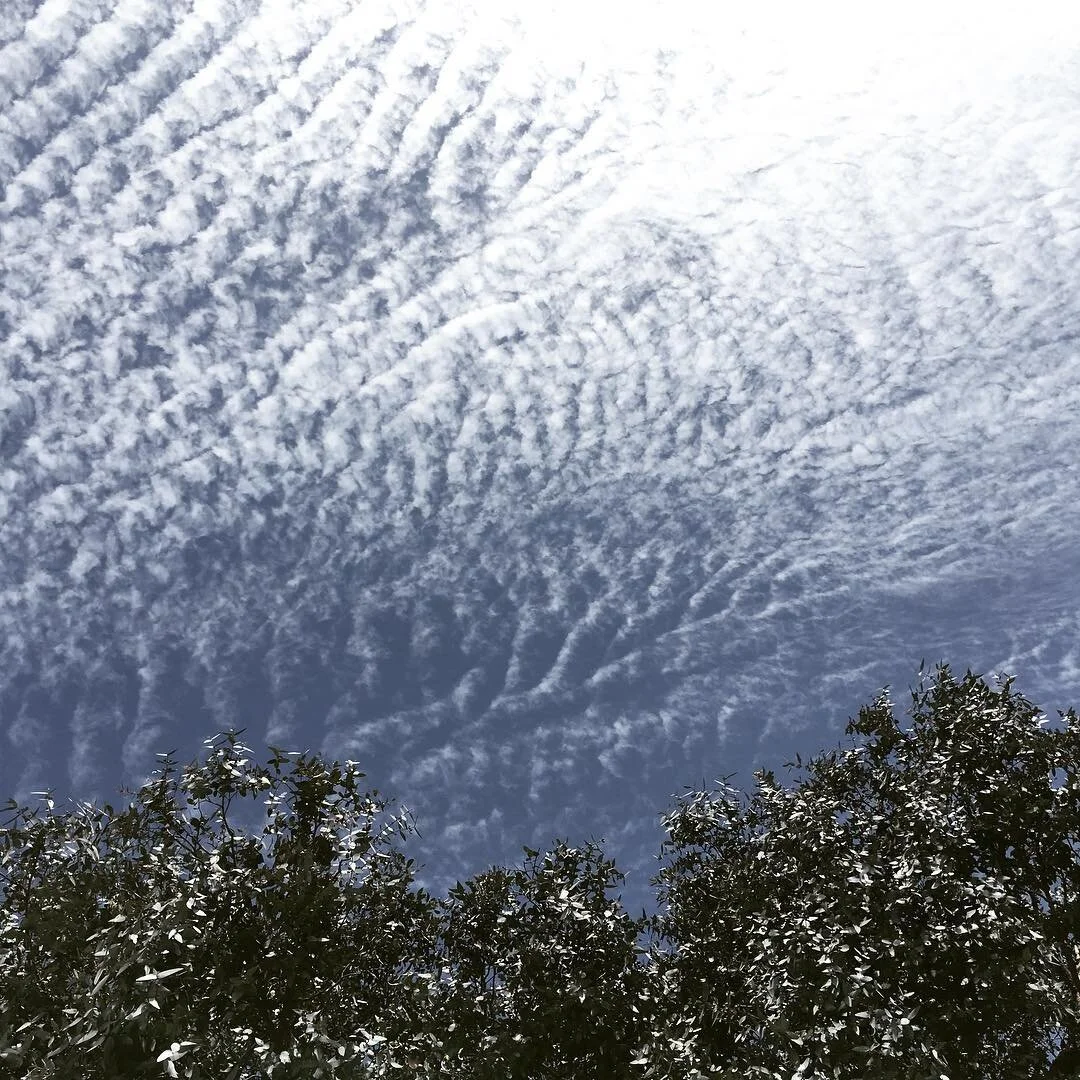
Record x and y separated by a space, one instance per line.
540 412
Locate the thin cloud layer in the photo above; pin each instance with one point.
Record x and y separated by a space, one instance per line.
545 427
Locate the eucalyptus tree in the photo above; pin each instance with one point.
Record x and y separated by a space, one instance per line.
160 940
906 909
164 940
543 973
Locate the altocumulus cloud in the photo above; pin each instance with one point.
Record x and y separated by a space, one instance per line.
546 413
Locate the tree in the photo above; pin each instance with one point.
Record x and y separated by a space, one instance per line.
541 972
155 942
909 909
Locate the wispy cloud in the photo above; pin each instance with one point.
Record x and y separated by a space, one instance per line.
540 423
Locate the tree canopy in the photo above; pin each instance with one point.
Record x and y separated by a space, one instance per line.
906 908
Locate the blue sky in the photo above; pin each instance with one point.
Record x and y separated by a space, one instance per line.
547 406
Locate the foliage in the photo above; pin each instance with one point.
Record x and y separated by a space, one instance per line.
907 909
541 972
157 942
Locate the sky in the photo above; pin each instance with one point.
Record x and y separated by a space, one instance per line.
550 407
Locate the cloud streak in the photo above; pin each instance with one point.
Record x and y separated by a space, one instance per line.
537 425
